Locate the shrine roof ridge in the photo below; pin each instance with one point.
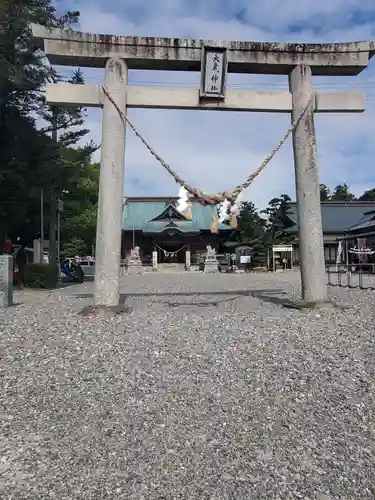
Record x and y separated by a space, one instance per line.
70 47
147 199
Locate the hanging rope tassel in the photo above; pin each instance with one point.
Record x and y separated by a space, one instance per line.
214 226
233 221
188 213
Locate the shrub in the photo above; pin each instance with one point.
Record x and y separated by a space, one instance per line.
40 276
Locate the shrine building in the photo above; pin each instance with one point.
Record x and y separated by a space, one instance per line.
155 225
351 222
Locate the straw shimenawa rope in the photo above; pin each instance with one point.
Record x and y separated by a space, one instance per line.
203 198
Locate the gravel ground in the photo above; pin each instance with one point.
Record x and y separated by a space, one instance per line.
208 388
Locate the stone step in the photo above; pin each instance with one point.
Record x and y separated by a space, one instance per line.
170 267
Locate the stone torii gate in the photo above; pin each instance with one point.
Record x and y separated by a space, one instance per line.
214 59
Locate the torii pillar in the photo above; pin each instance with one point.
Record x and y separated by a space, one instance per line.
108 232
311 243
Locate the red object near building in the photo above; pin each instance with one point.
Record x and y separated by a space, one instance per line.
8 246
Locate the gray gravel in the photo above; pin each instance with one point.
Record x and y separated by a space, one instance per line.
208 389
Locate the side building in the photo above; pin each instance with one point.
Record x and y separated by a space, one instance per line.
155 224
341 220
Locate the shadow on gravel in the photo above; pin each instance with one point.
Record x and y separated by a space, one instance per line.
274 296
201 303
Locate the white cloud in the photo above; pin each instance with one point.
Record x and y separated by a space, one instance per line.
217 150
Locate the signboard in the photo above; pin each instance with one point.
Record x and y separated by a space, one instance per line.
282 248
245 259
214 67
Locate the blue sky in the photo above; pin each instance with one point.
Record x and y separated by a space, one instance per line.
215 150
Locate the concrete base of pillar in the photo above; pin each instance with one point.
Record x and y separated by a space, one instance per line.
211 266
105 310
135 267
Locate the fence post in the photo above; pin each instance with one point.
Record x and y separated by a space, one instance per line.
349 278
360 278
328 271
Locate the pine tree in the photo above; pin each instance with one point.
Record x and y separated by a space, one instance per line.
32 159
22 74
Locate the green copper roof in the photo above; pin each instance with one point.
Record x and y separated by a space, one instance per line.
138 215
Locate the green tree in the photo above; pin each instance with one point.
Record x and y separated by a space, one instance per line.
252 231
250 223
368 195
66 127
25 152
325 193
80 198
342 193
76 246
277 219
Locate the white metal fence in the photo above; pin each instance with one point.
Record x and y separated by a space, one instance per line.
360 276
